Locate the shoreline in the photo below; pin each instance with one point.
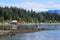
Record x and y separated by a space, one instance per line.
39 23
28 23
21 31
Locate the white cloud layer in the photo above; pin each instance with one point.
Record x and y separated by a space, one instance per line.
34 6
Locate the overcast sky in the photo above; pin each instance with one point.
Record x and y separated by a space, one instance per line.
36 5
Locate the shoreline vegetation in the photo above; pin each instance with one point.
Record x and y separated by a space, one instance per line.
7 14
28 23
32 23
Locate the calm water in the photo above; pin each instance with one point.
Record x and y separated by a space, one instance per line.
48 26
42 35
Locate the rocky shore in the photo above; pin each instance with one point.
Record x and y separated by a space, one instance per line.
4 32
21 31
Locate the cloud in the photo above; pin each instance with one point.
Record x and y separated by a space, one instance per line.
34 6
50 3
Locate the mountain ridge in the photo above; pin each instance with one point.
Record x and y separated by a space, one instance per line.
54 11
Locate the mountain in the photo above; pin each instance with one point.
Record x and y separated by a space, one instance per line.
53 11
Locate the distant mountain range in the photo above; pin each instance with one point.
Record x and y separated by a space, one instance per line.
53 11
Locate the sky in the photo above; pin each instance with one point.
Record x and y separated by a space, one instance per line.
36 5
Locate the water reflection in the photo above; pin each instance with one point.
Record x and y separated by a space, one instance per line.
48 26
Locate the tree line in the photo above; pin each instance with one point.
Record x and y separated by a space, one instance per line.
8 14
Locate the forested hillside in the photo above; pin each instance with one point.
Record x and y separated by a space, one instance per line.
12 13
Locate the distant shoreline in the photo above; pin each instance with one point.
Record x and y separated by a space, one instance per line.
40 23
28 23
